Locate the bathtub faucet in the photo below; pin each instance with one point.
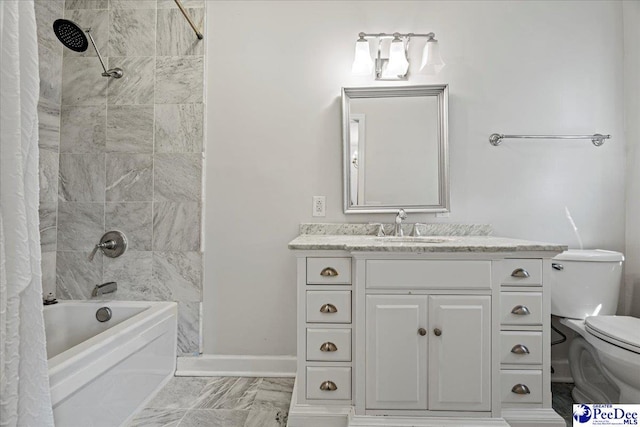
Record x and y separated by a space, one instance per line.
105 288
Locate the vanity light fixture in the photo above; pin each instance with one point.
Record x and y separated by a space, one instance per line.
395 65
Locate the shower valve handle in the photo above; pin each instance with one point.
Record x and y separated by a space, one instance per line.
112 244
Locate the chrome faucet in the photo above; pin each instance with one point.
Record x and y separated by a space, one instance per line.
105 288
402 215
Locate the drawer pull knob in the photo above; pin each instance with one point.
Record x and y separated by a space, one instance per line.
422 332
520 310
520 389
329 272
437 332
328 386
328 308
520 349
329 347
520 272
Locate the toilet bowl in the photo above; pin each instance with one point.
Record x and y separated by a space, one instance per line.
605 358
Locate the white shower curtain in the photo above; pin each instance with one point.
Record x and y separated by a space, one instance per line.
24 383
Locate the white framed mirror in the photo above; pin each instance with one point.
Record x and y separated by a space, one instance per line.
395 149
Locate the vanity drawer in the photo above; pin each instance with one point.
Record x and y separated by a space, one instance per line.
327 271
519 347
329 345
328 383
421 274
329 306
521 386
521 272
521 308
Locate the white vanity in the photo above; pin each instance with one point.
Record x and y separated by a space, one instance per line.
450 330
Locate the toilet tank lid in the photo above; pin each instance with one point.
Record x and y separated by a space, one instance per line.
592 255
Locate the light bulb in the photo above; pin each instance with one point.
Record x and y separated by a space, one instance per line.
432 62
362 63
398 64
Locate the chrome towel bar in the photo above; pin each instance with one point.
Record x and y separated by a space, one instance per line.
496 138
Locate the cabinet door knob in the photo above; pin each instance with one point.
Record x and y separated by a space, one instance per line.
520 349
422 332
437 332
328 386
329 272
329 347
328 308
520 310
520 272
520 389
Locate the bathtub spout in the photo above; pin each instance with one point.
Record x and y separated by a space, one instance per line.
105 288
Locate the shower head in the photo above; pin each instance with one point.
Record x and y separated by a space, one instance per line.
73 37
70 35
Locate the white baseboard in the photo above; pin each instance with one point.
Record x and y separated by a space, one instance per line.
211 365
522 417
561 371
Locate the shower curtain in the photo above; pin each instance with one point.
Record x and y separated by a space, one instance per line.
24 383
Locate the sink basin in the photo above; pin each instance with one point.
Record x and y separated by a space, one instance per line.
415 239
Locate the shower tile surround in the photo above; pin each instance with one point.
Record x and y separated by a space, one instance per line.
124 154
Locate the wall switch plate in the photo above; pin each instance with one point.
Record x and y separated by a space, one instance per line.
319 204
442 215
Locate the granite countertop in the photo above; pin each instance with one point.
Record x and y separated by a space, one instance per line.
436 238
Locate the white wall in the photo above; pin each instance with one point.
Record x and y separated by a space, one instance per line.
631 13
274 75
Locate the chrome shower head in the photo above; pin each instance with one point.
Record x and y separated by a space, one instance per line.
73 37
70 35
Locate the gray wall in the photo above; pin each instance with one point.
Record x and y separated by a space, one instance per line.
130 157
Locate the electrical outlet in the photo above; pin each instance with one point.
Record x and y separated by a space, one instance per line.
319 203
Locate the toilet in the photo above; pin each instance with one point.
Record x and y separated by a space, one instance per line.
605 358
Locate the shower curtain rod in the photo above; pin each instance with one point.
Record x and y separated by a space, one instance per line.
186 15
496 138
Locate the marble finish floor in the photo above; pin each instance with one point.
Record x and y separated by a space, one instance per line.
250 402
562 401
218 402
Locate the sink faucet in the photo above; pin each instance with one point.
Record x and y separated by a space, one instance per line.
402 215
105 288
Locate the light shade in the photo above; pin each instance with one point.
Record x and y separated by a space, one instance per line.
398 64
362 62
432 62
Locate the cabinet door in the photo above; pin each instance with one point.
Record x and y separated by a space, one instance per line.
460 353
396 376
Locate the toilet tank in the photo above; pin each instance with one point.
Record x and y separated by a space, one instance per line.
585 283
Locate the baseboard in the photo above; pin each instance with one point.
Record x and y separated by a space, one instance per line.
522 417
561 371
211 365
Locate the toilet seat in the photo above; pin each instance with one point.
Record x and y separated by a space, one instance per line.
622 331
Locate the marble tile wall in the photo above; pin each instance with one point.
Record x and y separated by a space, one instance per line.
49 112
128 155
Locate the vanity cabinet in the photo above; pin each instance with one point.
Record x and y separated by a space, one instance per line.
410 335
428 352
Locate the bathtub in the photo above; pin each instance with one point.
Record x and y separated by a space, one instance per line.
101 373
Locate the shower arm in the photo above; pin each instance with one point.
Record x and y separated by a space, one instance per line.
116 72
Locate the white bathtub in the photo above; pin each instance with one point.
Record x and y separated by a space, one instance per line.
101 373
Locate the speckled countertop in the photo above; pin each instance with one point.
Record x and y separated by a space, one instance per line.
438 238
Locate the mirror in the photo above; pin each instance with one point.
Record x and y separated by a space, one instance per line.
395 142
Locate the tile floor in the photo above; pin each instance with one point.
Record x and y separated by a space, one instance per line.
249 402
562 401
218 402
